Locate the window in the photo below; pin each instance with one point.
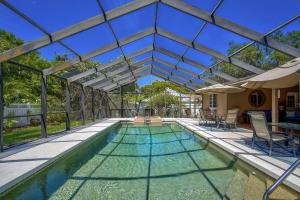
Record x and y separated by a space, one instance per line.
257 98
212 101
291 100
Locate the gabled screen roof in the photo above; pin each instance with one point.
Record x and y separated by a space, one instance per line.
191 43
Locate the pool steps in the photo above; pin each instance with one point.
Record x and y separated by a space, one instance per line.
251 187
148 120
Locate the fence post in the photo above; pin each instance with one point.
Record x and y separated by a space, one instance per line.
68 106
43 105
1 108
82 103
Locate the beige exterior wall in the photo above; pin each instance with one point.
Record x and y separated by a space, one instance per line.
221 103
238 100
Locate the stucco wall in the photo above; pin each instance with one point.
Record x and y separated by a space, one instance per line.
238 100
221 103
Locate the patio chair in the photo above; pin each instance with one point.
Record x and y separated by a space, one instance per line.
203 120
230 119
261 131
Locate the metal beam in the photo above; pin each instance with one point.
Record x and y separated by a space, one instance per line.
119 81
115 72
44 105
232 27
170 74
112 87
98 86
182 70
109 74
68 106
172 67
82 104
141 62
93 106
74 29
143 73
97 52
185 80
209 51
128 75
167 78
193 63
115 62
1 107
93 81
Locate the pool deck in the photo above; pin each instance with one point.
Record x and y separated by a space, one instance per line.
19 163
234 142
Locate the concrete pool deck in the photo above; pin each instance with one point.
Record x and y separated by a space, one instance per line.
234 142
19 164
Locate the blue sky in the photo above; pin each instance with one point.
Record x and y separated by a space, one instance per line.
259 15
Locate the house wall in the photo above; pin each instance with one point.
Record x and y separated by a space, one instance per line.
283 94
221 103
238 100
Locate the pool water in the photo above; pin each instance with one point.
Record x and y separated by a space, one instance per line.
144 162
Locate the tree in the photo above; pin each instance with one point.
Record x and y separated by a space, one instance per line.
259 55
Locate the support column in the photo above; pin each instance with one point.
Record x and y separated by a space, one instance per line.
68 106
122 102
180 105
274 106
299 93
44 105
190 106
101 112
82 104
1 108
165 110
93 105
195 110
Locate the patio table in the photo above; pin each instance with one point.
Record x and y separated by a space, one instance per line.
291 128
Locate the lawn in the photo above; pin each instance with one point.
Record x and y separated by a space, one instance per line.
20 135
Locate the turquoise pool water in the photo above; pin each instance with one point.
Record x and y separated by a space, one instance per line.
140 162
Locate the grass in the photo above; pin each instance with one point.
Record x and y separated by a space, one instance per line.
21 135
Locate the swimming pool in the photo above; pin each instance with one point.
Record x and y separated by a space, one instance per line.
145 162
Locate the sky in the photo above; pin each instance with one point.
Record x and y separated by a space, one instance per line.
259 15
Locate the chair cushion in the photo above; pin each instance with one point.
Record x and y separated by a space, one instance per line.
297 114
290 113
278 136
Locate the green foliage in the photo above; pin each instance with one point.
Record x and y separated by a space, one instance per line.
160 86
260 56
160 100
23 86
10 123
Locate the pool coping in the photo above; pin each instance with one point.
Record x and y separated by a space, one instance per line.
9 165
45 152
